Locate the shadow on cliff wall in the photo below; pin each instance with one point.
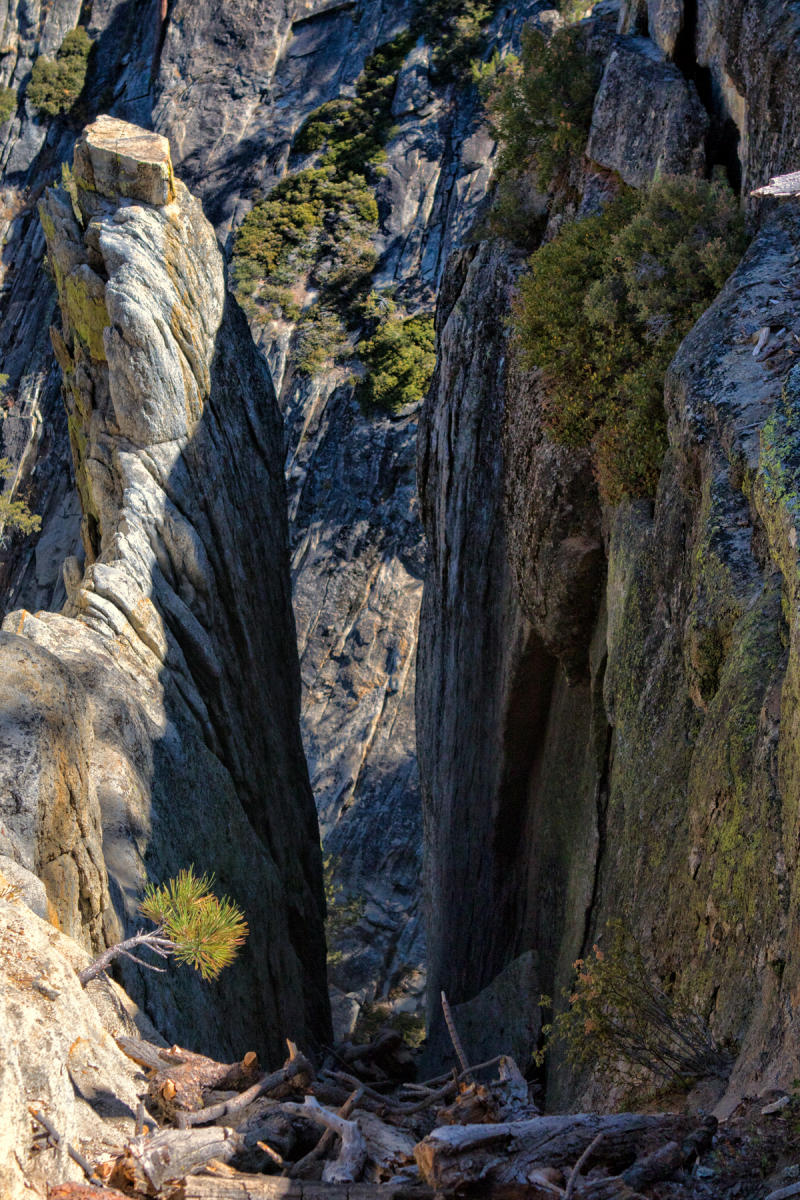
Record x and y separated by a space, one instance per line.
228 781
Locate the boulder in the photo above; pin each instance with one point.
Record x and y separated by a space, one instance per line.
647 118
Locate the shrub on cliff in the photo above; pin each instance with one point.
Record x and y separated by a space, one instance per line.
191 924
455 29
540 103
15 515
604 308
55 85
8 104
399 357
619 1016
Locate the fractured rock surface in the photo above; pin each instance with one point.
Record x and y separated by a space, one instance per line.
178 630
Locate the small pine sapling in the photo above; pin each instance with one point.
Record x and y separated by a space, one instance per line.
191 924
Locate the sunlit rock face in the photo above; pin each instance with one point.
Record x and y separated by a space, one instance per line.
177 635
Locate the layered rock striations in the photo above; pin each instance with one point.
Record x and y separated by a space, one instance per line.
606 696
174 653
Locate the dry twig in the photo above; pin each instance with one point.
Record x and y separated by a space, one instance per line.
74 1154
576 1170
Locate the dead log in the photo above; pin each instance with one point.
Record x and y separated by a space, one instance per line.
265 1187
296 1073
474 1105
454 1157
353 1154
389 1149
780 185
180 1079
152 1163
301 1168
83 1191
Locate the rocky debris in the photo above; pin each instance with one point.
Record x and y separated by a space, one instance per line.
647 119
178 633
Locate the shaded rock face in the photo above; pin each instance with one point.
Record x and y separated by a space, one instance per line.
512 736
743 56
606 698
181 616
648 119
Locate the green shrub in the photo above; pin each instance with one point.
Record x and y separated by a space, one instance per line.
319 222
540 104
605 306
399 357
15 515
8 104
206 930
321 339
619 1017
316 229
342 913
455 29
56 85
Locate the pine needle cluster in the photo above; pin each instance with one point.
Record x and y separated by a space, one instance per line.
206 930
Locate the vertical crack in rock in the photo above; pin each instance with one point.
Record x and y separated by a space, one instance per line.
178 628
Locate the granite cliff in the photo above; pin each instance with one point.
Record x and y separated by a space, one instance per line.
607 695
231 87
603 697
122 761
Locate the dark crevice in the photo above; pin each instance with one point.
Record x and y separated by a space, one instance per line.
722 140
603 792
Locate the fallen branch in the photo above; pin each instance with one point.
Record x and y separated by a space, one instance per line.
276 1081
324 1144
454 1156
265 1187
152 1163
574 1174
350 1163
74 1154
440 1079
155 941
454 1038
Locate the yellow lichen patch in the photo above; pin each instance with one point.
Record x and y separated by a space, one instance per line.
86 306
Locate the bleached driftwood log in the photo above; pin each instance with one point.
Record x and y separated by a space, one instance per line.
152 1163
780 185
503 1155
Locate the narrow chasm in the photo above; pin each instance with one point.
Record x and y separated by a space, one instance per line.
399 698
722 140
